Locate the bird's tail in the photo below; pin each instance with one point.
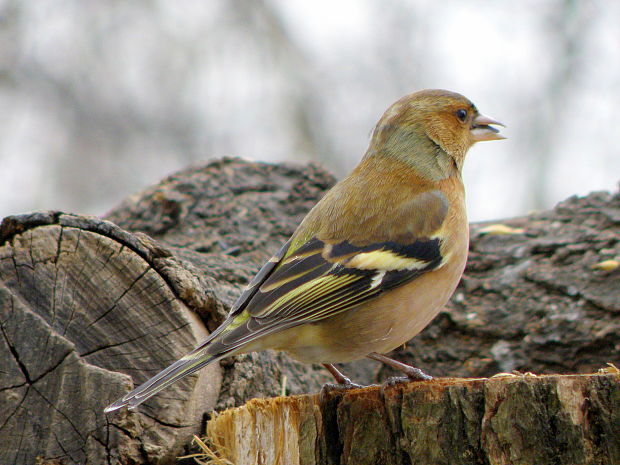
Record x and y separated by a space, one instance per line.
194 361
185 366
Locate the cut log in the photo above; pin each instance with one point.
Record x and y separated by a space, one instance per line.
516 420
72 341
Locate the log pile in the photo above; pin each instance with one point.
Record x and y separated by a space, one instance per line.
91 306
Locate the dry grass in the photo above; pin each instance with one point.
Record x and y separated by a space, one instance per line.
207 456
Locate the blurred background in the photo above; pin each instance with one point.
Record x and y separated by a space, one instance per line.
101 98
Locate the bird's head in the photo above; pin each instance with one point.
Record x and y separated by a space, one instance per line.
432 130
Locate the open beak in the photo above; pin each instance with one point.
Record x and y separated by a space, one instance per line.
481 129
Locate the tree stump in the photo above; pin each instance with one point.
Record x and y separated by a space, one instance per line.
516 420
90 307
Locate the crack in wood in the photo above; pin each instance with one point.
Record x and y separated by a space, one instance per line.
164 423
17 407
63 414
119 298
110 346
13 350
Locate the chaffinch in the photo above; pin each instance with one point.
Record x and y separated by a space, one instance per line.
372 263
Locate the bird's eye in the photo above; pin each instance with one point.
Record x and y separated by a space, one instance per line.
461 115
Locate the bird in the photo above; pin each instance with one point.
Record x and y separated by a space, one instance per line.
372 263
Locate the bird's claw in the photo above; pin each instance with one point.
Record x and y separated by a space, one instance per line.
419 375
394 381
328 388
348 384
415 374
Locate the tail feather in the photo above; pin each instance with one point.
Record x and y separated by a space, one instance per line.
194 361
185 366
219 344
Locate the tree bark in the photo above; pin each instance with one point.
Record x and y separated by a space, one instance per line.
517 420
91 307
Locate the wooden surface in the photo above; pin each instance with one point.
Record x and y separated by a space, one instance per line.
516 420
89 308
71 342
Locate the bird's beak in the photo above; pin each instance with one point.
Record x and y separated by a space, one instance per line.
481 129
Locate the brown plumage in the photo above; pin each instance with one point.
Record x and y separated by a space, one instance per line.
373 262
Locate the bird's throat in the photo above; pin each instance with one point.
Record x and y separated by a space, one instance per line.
431 163
437 166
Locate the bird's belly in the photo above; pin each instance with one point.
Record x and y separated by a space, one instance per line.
379 325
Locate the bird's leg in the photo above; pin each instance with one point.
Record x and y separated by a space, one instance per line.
343 382
413 373
338 375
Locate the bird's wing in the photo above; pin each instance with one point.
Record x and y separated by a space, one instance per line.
314 280
259 279
322 278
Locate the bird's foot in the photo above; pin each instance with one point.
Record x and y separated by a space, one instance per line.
416 375
329 388
396 380
411 373
343 383
341 386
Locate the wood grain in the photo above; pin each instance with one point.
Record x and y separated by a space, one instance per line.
75 342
